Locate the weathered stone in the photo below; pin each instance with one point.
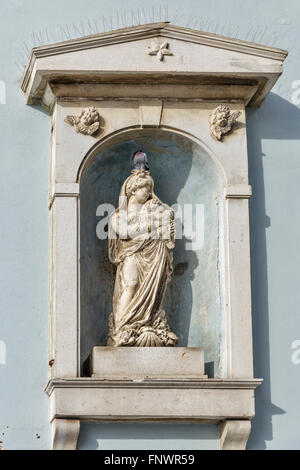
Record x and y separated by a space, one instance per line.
124 362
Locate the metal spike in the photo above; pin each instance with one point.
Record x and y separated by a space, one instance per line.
263 32
153 14
195 24
248 33
63 33
117 20
111 22
20 66
134 19
138 16
254 35
166 13
188 21
76 30
82 28
47 35
68 31
123 19
223 28
90 27
201 22
33 39
178 18
214 27
145 16
25 48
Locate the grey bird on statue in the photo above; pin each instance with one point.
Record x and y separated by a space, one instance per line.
139 161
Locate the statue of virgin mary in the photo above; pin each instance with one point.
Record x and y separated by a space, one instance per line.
141 239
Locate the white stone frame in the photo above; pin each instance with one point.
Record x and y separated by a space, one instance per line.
133 91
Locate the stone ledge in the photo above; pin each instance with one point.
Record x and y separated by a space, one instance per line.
215 400
203 383
238 191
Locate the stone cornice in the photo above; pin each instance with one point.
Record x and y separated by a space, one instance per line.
92 383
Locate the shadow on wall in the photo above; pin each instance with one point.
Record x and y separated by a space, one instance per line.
266 122
183 173
148 436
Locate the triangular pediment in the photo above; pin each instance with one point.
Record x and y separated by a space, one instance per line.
155 53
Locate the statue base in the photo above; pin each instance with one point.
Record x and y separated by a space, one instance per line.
147 362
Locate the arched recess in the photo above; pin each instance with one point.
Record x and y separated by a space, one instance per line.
185 174
136 131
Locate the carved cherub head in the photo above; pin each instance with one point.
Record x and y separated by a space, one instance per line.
221 121
89 115
87 122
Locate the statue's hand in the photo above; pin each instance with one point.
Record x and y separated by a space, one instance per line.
170 244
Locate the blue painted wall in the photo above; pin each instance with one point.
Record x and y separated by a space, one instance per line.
274 149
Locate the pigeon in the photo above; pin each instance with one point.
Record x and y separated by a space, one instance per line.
139 161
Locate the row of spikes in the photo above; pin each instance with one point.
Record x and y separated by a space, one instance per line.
126 18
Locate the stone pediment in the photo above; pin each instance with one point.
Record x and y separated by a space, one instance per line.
199 65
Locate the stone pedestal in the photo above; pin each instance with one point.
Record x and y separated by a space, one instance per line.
142 363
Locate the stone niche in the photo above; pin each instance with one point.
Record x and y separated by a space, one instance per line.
181 95
183 173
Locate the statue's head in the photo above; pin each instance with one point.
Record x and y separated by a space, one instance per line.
140 185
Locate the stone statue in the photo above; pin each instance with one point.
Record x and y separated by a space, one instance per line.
141 239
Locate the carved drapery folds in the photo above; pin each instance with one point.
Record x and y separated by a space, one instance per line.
143 258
